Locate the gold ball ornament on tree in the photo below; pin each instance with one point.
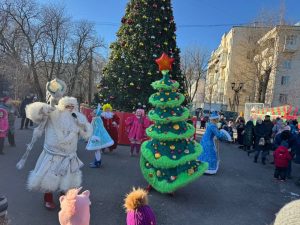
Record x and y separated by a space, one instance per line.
157 155
172 147
176 127
191 171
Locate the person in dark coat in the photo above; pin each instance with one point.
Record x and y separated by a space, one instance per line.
260 132
268 132
24 103
248 135
240 131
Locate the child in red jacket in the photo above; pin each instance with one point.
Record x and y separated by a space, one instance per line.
282 157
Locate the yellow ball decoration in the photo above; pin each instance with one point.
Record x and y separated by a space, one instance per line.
176 127
162 99
157 155
174 156
191 171
172 147
131 84
167 93
158 173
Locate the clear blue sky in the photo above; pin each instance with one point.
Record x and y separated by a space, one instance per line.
186 12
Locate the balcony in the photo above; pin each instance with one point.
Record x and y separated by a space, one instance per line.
223 62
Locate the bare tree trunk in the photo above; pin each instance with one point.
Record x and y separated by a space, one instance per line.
90 77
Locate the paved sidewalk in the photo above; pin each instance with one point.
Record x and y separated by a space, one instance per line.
242 193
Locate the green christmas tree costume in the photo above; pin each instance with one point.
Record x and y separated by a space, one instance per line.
169 159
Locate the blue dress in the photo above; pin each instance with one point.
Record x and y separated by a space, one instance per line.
100 138
209 153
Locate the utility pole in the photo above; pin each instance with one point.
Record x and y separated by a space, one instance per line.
90 91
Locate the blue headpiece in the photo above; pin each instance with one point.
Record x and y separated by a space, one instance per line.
98 111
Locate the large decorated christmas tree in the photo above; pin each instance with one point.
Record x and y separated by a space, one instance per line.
147 29
169 159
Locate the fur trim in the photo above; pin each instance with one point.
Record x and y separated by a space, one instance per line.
86 129
63 102
37 110
135 199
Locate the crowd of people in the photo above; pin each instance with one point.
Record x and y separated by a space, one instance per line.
263 137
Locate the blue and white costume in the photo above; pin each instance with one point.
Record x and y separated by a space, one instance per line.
100 138
210 153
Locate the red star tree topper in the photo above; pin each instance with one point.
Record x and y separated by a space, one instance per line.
164 62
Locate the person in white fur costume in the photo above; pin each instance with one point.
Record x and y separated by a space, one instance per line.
58 167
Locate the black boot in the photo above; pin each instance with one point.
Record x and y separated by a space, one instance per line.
263 161
95 164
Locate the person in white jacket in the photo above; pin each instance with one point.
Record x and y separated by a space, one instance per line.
58 167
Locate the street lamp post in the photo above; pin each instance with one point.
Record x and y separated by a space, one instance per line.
236 98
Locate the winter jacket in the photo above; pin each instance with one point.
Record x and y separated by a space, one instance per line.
24 103
259 132
249 133
284 136
240 137
282 157
268 128
295 147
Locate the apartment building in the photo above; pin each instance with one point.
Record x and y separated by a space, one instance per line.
231 68
280 48
254 64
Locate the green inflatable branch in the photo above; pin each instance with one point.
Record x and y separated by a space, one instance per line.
166 187
172 103
155 117
165 162
168 136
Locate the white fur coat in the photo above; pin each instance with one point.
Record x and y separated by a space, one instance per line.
58 167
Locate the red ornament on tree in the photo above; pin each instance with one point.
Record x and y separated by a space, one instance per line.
164 62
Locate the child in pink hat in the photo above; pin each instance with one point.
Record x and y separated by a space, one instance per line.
75 208
138 211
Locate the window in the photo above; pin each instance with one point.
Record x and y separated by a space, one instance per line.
283 98
287 64
285 80
290 39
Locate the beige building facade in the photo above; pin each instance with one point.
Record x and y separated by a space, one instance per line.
231 67
253 61
281 48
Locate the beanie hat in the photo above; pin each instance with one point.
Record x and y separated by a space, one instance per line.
3 206
75 208
289 214
138 212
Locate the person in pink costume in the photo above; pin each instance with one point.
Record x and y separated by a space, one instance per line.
136 126
3 128
75 208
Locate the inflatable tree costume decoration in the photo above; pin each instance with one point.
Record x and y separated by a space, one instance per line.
169 159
